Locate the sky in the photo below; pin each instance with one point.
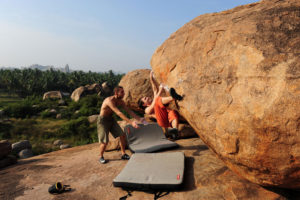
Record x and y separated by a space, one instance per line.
94 35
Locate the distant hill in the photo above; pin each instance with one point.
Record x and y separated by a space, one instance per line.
43 68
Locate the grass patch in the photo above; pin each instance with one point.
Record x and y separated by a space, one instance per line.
43 132
8 99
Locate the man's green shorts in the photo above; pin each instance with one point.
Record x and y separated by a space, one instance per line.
106 125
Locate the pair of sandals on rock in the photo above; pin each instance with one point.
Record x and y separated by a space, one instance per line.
59 188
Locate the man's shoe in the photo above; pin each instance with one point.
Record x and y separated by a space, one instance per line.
102 160
125 157
174 94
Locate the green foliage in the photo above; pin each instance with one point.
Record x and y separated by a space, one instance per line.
8 99
27 82
5 130
21 94
20 110
47 114
30 106
23 129
78 130
86 106
41 148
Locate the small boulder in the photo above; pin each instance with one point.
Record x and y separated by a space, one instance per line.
57 142
25 153
64 146
53 111
58 116
19 146
65 94
52 95
61 102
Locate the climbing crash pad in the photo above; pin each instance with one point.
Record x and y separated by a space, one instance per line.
154 171
147 138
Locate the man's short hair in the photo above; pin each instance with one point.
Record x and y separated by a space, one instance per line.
117 88
141 103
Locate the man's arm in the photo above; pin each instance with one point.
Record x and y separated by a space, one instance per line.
130 112
117 111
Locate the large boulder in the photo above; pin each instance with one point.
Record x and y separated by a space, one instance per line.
136 84
52 95
240 73
5 148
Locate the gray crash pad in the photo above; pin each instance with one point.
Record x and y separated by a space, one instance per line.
147 138
154 171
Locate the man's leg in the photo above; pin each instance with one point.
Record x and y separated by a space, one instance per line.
175 123
102 127
122 144
165 130
102 149
117 131
166 100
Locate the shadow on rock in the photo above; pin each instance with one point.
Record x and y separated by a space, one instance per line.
198 149
287 193
189 180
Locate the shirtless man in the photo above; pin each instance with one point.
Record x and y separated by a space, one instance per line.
106 123
157 106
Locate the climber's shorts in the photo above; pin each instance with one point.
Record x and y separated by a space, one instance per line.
106 125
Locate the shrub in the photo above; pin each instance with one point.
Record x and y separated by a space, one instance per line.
88 105
78 129
20 110
47 114
5 130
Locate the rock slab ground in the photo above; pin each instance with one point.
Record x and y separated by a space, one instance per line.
206 177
